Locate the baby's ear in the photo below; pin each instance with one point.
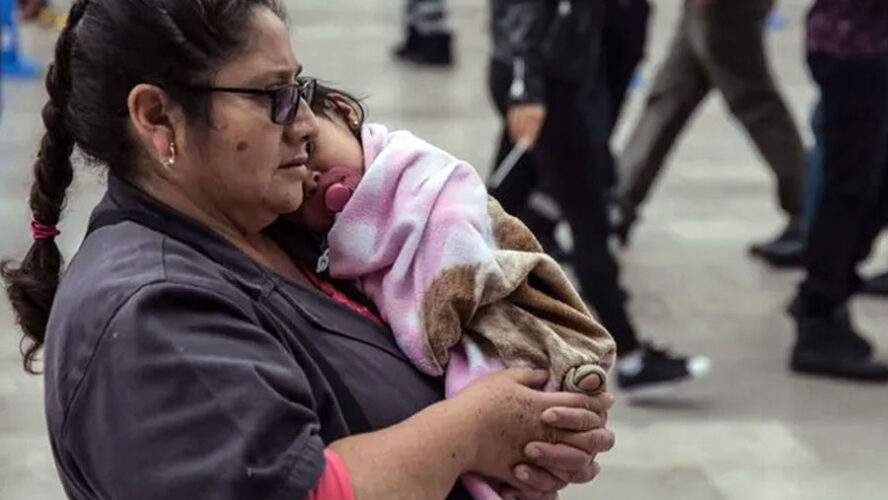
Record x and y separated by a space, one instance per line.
346 108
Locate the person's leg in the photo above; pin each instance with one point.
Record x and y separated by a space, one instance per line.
625 41
677 90
878 284
855 100
571 167
564 143
625 38
729 38
815 166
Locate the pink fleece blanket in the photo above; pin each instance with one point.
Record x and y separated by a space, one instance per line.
419 236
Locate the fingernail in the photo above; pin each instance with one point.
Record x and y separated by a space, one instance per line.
550 416
522 474
534 452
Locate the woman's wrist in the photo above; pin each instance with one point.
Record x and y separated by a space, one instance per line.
458 428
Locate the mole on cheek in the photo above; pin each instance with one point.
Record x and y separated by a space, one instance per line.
242 146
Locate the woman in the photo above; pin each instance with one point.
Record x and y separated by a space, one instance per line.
187 353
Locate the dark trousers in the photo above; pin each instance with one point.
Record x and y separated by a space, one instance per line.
625 39
567 166
854 195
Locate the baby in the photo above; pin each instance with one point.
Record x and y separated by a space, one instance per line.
464 286
456 278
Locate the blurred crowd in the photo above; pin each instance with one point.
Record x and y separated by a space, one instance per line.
559 74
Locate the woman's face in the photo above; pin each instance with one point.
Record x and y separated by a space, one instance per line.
245 168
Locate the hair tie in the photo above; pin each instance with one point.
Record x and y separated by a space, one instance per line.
42 232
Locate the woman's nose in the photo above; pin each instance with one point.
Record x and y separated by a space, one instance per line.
304 129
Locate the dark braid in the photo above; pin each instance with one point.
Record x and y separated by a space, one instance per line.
107 48
31 286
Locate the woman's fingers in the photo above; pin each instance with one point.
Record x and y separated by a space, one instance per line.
557 457
573 419
592 442
534 379
599 403
586 474
536 480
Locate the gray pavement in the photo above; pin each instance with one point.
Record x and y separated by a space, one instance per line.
750 431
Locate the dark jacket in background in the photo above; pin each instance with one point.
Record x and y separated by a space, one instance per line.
540 39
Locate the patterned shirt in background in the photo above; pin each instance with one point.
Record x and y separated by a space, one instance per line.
848 28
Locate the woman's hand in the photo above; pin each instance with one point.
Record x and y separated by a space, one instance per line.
578 434
511 420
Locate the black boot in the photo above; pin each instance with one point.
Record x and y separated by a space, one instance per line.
787 250
842 319
877 285
430 50
827 346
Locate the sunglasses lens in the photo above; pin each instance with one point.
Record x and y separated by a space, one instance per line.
286 105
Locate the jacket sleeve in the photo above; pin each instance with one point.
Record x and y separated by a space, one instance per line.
519 28
188 397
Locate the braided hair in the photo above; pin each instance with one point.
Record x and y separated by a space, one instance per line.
105 50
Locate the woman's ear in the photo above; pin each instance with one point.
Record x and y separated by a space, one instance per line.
158 123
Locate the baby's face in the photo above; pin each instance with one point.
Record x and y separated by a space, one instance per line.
335 156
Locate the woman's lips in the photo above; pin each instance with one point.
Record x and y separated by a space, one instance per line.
295 162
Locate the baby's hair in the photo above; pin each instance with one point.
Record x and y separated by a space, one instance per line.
323 104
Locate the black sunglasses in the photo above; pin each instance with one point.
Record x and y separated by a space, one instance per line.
284 98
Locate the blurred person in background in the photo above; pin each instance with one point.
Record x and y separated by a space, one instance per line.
548 85
623 48
719 45
428 39
847 45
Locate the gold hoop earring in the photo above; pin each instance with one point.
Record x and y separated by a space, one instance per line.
171 161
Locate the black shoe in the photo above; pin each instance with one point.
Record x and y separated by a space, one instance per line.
428 50
785 251
824 347
841 324
659 372
877 285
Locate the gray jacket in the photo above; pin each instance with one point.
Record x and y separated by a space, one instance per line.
177 368
542 39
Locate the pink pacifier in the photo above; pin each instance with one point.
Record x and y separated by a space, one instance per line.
337 196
